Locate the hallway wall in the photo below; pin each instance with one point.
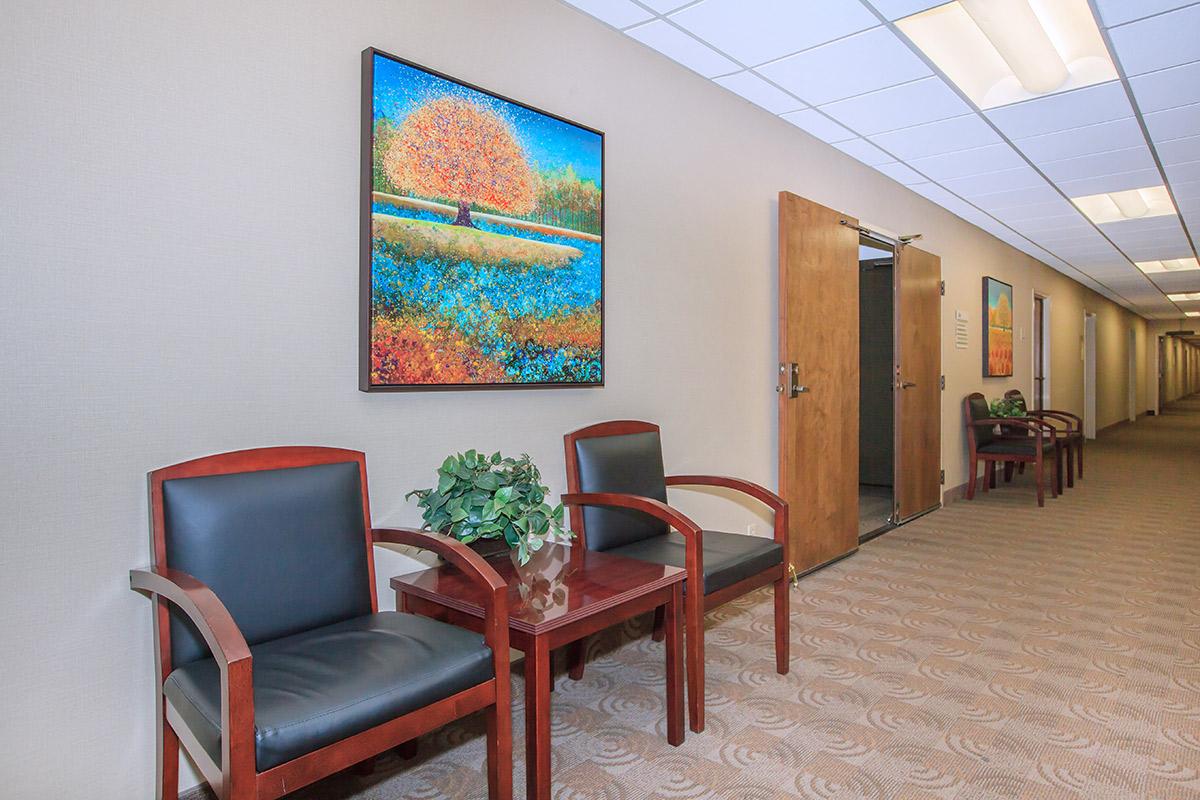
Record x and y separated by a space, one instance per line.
1181 363
180 270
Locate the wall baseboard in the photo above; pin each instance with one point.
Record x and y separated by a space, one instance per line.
201 792
954 494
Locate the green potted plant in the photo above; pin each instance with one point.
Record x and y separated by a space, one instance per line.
492 503
1007 407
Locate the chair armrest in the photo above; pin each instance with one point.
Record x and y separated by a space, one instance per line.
761 493
692 535
1016 422
202 607
471 564
1046 427
1074 423
229 649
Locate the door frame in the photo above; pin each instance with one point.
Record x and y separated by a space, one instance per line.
1132 389
1041 394
1089 375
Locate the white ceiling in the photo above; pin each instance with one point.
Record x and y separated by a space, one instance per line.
843 72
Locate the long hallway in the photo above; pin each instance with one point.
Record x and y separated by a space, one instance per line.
989 650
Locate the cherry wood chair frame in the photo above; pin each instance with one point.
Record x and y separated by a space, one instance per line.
1042 432
1072 434
696 602
237 777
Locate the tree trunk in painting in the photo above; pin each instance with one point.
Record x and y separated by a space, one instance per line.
464 215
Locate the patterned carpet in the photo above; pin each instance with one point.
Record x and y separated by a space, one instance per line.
990 650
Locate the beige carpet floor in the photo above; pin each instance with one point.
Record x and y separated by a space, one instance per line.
989 650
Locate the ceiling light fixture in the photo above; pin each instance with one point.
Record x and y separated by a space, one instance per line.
1004 51
1182 296
1192 313
1168 265
1152 201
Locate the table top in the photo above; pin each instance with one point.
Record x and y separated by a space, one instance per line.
558 586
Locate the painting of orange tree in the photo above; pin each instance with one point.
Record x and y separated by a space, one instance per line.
998 330
485 252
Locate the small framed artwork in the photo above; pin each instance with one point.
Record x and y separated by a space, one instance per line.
997 329
482 238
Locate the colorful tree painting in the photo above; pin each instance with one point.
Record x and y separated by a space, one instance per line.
485 253
998 328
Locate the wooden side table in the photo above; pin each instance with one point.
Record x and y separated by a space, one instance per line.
561 596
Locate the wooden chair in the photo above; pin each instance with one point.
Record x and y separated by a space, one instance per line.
1071 433
617 493
986 445
274 665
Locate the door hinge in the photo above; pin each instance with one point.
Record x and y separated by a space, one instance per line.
942 287
942 478
942 383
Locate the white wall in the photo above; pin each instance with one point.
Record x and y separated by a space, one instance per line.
179 251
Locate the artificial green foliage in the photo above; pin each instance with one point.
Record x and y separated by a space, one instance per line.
481 497
1007 407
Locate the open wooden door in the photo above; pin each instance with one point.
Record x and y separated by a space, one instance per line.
818 380
918 382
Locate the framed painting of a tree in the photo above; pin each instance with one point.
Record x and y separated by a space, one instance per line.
482 238
997 329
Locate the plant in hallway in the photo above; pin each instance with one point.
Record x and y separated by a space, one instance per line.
478 498
1007 407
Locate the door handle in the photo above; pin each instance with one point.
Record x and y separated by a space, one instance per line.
907 384
789 380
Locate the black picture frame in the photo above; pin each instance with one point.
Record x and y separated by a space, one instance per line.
366 145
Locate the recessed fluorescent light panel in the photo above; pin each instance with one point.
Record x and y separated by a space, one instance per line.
1004 52
1179 298
1168 265
1192 313
1153 201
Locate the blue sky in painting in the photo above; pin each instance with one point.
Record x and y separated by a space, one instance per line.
549 143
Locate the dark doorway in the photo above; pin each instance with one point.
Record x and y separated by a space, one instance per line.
876 357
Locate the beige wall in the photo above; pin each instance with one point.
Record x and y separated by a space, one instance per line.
179 245
1181 362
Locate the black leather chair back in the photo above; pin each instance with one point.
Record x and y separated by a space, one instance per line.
1015 394
284 549
628 463
978 407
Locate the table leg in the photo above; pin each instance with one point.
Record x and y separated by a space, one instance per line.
537 720
673 630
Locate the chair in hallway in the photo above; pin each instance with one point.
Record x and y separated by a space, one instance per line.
986 445
617 492
274 665
1071 432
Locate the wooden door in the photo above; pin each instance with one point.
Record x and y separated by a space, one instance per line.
918 381
818 398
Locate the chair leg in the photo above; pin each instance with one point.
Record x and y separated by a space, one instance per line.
1070 454
1041 482
989 475
365 767
1021 468
972 476
168 756
783 626
1058 471
1079 458
1008 471
660 616
408 751
498 722
576 658
695 658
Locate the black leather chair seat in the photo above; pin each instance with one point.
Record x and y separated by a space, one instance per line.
324 685
728 557
1026 446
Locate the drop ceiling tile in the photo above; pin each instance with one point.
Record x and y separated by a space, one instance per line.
665 6
864 62
759 92
678 46
1179 151
1158 42
1174 123
1023 198
618 13
1073 142
864 151
897 9
1185 172
1150 251
755 31
992 182
933 138
1103 102
1099 164
820 126
1118 182
1167 88
902 173
1052 206
1176 282
926 100
1117 12
962 163
1185 191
